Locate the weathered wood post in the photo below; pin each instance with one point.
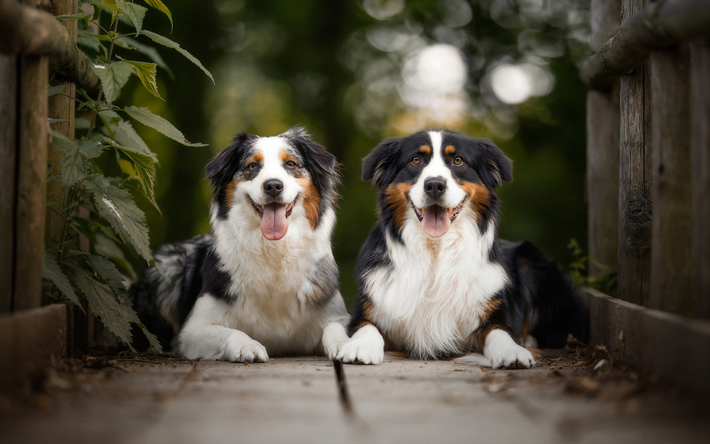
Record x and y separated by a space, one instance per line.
24 234
671 256
603 150
635 178
700 146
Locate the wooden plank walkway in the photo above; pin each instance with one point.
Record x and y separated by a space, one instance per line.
157 399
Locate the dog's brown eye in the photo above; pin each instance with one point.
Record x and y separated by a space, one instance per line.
291 164
458 160
416 160
252 166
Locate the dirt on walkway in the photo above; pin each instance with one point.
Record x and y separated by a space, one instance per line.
572 395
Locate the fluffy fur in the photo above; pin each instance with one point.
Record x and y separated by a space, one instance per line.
434 279
264 282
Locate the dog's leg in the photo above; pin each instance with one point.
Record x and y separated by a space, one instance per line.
334 336
203 337
367 346
502 350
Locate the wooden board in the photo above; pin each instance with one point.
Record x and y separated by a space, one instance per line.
635 178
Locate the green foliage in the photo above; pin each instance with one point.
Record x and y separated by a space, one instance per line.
604 281
98 277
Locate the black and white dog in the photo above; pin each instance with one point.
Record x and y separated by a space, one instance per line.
435 281
264 282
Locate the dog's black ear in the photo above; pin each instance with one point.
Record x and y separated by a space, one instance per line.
224 165
498 167
321 164
375 164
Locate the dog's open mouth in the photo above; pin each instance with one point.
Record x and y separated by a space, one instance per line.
274 218
436 219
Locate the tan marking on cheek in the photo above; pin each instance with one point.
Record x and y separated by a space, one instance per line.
426 149
311 200
449 150
478 197
396 200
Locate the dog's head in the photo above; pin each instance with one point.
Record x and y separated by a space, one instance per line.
434 176
273 178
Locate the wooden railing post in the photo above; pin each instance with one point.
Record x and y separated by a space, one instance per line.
635 178
671 256
603 150
8 165
700 146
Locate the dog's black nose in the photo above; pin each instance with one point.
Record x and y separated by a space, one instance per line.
273 187
435 187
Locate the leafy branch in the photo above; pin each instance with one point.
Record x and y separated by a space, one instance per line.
99 277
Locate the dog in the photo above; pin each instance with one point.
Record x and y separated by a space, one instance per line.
264 282
434 279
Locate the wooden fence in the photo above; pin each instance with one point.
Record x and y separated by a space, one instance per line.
35 49
648 150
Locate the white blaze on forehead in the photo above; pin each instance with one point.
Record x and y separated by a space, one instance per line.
272 168
437 168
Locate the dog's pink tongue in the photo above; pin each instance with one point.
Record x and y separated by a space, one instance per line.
436 221
274 224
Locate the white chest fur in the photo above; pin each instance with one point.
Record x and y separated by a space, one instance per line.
431 297
268 282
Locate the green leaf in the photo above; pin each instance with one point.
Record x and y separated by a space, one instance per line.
152 339
135 13
149 51
147 72
107 270
111 4
52 272
127 136
157 4
114 315
53 90
75 163
113 77
159 39
81 123
81 15
141 166
107 247
144 116
116 205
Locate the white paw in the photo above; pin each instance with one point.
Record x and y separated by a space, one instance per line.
504 352
241 348
334 336
366 347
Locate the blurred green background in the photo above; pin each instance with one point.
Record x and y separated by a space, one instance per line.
357 71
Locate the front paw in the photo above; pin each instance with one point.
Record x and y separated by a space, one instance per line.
504 352
334 336
239 348
361 351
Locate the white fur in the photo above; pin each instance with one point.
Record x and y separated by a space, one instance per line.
367 346
502 350
430 298
334 336
436 168
272 168
269 279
